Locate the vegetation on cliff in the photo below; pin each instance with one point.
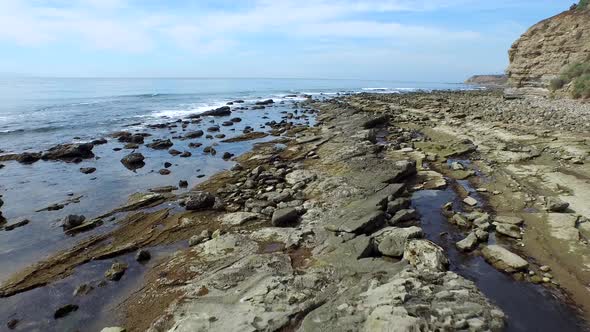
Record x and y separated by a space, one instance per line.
578 74
583 4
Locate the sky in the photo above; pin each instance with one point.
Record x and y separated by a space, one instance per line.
417 40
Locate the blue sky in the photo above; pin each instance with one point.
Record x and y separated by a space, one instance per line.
418 40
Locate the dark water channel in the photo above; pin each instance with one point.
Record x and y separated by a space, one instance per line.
528 307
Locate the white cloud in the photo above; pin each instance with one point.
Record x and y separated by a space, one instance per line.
124 26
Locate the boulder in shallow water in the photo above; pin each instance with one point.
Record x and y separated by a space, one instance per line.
64 311
133 161
503 259
69 152
72 221
116 271
28 157
221 111
160 144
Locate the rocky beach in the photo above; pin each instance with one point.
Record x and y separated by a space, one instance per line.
442 210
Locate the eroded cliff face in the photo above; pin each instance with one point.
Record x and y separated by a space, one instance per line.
541 53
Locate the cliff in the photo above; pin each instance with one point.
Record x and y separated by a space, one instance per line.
487 80
542 52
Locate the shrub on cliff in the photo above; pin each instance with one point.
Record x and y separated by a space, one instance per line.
579 75
583 4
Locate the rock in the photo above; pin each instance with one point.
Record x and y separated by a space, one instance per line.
300 175
482 234
11 324
469 243
133 161
509 230
113 329
164 189
19 223
265 102
116 271
398 204
403 216
509 220
227 155
185 154
164 171
143 255
470 201
64 311
503 259
69 152
238 218
183 183
99 141
28 157
83 289
457 166
167 164
213 129
425 255
557 205
72 221
174 152
221 111
199 200
198 239
160 144
87 170
285 217
391 241
194 134
460 220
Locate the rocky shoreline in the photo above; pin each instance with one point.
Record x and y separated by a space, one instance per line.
319 230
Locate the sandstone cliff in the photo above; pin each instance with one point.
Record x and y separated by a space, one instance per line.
541 53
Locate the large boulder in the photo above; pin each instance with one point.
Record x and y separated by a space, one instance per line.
133 161
285 217
391 241
160 144
426 255
69 152
72 221
199 200
221 111
503 259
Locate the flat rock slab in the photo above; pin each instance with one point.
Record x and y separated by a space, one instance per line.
365 216
238 218
563 226
503 259
391 241
509 220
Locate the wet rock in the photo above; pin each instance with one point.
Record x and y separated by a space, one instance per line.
391 241
227 123
64 311
143 255
160 144
167 165
221 111
164 171
194 134
235 120
83 289
265 102
133 161
69 152
503 259
285 217
199 200
426 255
185 154
227 155
11 324
557 205
87 170
99 141
72 221
116 271
28 157
174 152
469 243
213 129
195 145
183 183
376 121
457 166
164 189
19 223
403 216
509 230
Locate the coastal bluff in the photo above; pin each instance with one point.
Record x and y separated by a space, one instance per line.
544 50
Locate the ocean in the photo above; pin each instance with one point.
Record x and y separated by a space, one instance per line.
38 112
